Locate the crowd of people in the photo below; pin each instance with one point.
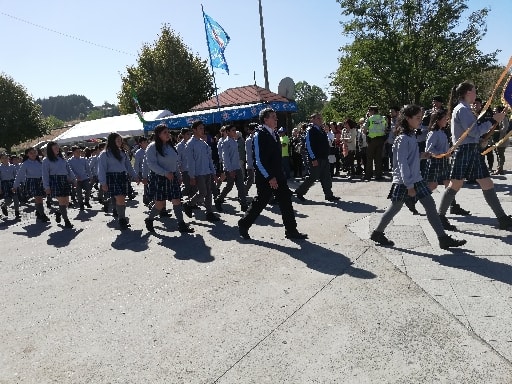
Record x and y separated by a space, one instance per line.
194 170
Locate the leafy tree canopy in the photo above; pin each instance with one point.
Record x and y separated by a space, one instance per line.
167 76
66 108
20 116
309 99
406 51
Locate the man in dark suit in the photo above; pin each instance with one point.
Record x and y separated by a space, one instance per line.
318 149
270 179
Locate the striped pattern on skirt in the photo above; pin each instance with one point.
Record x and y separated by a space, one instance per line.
161 188
468 163
398 192
60 186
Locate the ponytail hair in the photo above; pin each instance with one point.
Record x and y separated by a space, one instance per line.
458 92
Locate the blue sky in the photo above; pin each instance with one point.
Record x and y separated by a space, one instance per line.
302 40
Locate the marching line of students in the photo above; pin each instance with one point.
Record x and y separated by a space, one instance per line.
163 167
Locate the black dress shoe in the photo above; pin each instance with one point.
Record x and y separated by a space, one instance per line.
381 239
296 235
299 196
446 224
332 198
244 232
446 242
187 209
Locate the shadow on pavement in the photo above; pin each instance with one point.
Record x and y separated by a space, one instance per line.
63 238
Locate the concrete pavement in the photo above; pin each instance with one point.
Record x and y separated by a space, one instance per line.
96 305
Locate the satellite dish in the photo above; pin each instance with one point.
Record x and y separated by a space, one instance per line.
286 88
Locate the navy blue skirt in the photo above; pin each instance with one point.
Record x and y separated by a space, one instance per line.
398 192
34 187
60 186
437 170
161 188
468 163
118 184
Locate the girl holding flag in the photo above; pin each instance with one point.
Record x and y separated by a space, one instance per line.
467 162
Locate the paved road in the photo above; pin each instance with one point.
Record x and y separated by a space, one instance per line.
96 305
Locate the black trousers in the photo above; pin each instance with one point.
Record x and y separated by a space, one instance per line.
283 196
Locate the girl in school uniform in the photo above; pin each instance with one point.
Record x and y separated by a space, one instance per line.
31 173
57 177
467 162
408 182
114 168
7 176
164 178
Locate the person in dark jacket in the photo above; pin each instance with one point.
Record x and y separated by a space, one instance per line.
317 145
270 179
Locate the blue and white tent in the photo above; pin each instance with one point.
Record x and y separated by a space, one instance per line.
220 115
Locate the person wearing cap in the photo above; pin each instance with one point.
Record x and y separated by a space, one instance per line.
317 146
375 130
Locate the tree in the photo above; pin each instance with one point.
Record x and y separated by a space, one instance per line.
53 122
167 76
309 99
406 51
66 108
20 116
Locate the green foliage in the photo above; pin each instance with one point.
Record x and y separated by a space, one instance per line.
66 108
53 122
20 116
309 99
406 51
167 76
106 110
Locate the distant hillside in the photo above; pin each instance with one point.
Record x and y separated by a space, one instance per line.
66 108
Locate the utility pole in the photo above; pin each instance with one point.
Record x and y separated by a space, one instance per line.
263 49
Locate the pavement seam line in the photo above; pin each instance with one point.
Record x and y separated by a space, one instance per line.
272 331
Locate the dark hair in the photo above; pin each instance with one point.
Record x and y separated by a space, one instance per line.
184 131
458 92
435 117
313 115
25 156
264 114
252 126
49 152
142 139
159 144
74 148
402 127
112 146
196 124
351 123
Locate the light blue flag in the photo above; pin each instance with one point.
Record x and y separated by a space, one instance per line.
217 40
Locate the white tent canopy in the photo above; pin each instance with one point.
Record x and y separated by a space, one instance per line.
125 125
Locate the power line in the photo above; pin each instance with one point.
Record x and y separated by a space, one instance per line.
65 34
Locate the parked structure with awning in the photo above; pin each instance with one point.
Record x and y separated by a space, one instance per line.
220 115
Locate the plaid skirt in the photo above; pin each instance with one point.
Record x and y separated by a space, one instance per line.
437 170
118 184
398 192
34 187
60 186
7 188
161 188
468 163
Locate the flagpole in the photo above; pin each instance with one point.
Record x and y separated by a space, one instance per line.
263 49
211 65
